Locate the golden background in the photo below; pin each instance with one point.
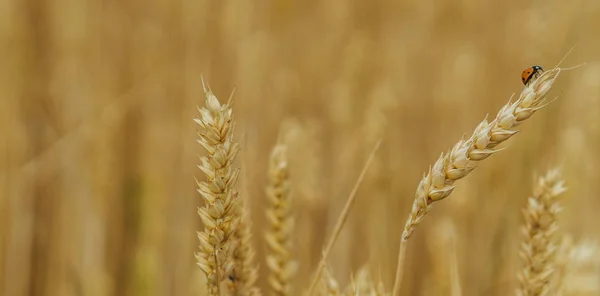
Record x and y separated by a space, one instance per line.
97 192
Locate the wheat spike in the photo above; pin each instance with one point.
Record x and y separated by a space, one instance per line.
279 260
218 191
245 272
538 249
438 183
459 161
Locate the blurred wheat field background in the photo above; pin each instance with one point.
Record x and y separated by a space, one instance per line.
99 147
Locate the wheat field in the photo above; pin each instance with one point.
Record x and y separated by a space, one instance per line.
112 153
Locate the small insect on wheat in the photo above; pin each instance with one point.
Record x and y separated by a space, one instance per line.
531 73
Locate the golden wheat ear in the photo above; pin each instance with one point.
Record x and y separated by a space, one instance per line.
245 272
463 158
539 246
218 214
279 237
457 163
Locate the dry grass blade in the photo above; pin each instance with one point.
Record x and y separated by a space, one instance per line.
538 249
219 213
438 183
279 261
339 225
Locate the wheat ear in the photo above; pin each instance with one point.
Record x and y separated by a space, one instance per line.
438 183
245 272
538 249
218 191
279 260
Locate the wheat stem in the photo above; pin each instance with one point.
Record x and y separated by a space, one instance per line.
341 221
400 268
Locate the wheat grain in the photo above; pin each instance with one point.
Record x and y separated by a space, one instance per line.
438 183
218 191
279 261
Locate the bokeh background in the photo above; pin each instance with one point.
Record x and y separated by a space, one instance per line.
97 191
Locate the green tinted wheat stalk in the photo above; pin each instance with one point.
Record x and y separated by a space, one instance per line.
538 248
218 191
459 161
279 216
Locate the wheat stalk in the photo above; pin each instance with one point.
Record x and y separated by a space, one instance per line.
438 183
341 221
218 191
538 249
279 216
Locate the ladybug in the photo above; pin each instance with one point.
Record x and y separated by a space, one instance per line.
531 72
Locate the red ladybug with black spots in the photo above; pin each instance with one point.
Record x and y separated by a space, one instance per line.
531 73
